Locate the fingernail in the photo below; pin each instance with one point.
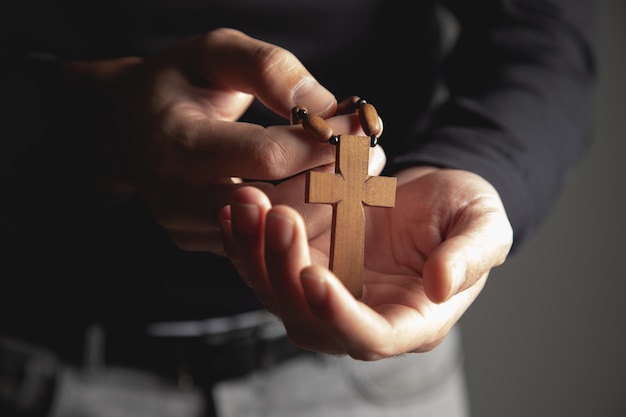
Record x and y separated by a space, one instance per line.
279 232
316 98
314 288
245 217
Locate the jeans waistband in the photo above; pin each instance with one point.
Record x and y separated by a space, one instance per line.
189 354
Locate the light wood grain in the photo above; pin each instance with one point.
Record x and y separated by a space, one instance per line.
347 190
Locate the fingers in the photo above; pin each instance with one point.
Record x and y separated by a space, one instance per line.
356 329
252 233
243 226
300 299
270 257
206 82
480 240
375 332
249 151
189 215
319 313
287 252
187 211
274 75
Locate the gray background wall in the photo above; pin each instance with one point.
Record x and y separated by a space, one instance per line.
547 337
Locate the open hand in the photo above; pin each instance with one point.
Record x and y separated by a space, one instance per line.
426 261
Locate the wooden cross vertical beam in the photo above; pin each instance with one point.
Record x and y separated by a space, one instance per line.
347 190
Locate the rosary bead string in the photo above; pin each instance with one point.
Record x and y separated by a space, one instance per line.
321 131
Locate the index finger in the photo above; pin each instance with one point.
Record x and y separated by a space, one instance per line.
273 74
250 151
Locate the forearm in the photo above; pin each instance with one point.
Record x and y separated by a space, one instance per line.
519 110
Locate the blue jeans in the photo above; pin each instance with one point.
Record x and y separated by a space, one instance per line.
418 385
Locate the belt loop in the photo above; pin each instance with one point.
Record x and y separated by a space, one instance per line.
184 377
94 353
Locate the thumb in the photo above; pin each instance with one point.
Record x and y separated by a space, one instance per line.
467 256
233 60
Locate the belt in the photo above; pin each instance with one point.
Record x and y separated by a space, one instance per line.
198 352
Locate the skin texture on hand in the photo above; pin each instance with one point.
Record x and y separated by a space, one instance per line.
168 127
427 260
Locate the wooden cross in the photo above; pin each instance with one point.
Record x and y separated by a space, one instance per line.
347 190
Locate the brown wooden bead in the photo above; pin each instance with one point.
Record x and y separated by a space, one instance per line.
296 115
369 120
321 131
318 127
348 105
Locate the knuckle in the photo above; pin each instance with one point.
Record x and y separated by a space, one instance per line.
274 159
270 58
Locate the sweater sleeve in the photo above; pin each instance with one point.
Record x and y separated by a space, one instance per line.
519 105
